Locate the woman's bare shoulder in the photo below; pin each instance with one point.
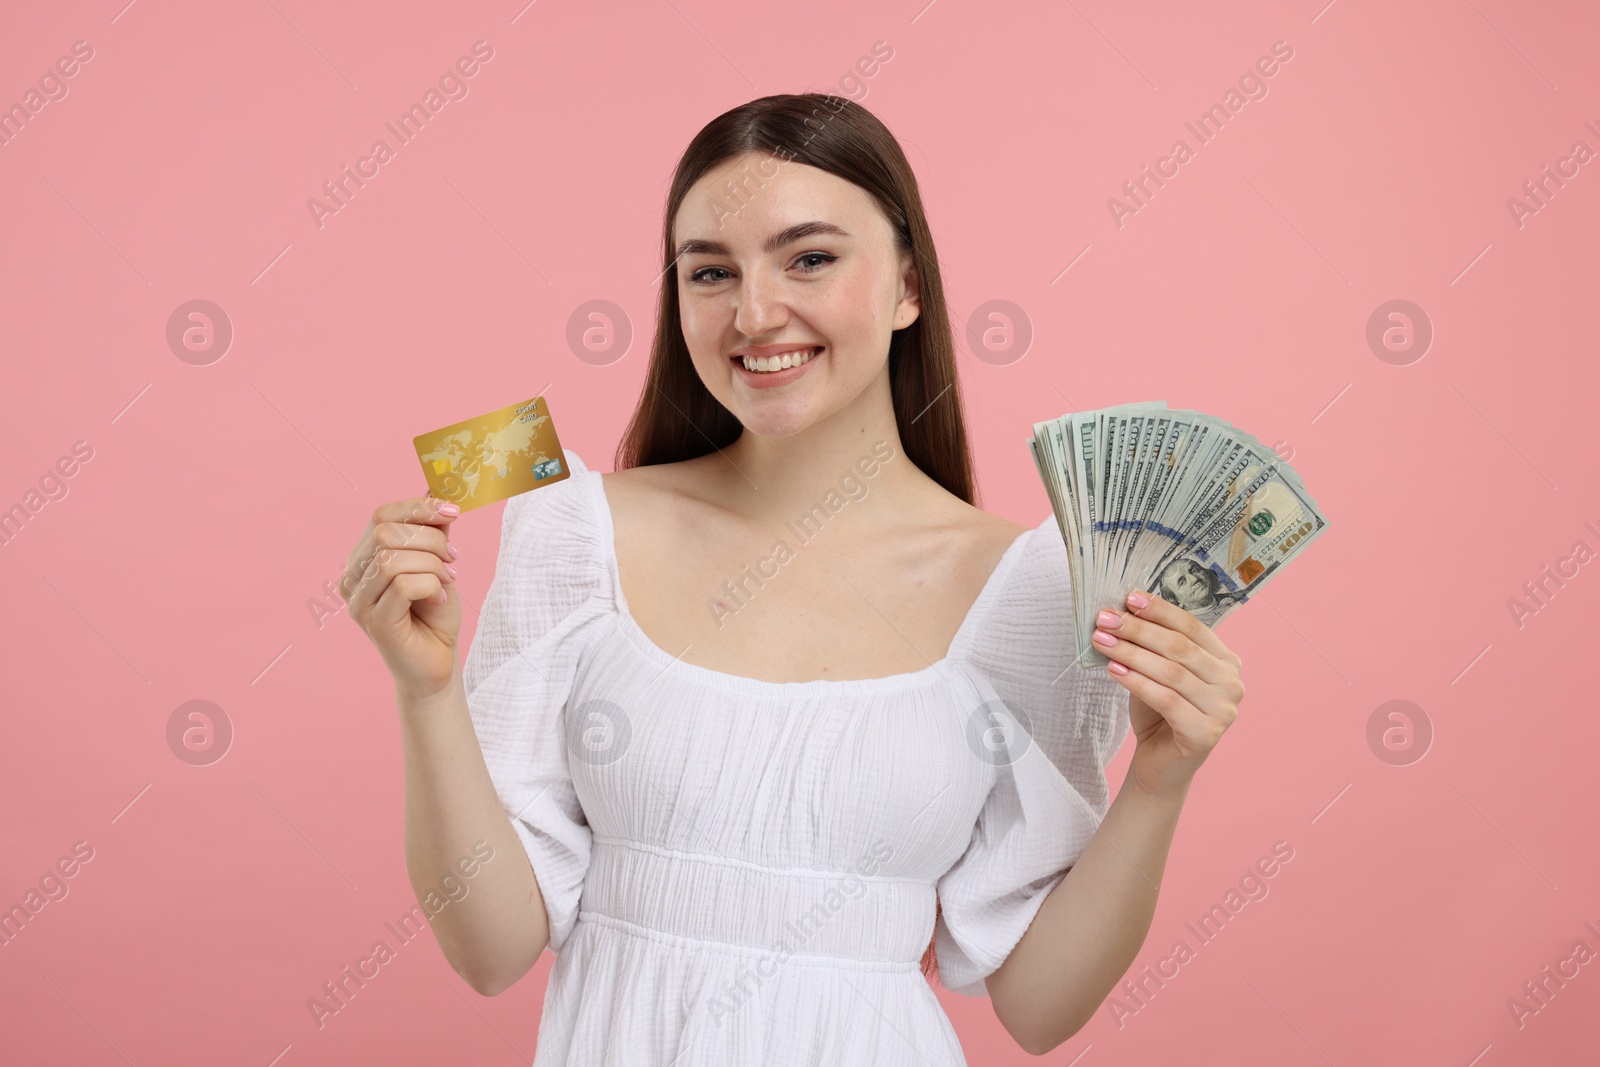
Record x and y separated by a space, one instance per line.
676 478
655 491
993 536
1001 528
982 528
967 541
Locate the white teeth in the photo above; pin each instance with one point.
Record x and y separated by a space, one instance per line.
780 362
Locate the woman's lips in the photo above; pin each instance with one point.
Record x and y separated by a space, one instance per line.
767 379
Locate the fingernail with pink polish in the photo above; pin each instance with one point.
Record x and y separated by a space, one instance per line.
1117 668
451 571
1137 601
1109 619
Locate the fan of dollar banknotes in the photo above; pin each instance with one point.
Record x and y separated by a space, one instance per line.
1179 503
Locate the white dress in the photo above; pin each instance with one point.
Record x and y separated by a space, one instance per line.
743 872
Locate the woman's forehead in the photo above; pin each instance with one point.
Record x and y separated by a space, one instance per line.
747 201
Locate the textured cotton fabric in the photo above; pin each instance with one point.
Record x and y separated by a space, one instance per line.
743 872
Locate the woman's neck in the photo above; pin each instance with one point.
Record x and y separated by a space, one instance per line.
854 454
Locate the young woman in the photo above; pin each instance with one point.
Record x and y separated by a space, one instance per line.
774 712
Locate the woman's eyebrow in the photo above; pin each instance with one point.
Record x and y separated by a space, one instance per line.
694 246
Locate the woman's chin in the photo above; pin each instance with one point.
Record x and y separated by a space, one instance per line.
771 424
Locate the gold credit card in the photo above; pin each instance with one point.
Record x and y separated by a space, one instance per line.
493 456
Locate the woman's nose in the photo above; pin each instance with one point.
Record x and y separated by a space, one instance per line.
760 308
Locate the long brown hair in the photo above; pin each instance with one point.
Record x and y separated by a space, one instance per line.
678 419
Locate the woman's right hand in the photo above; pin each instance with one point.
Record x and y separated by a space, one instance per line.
397 583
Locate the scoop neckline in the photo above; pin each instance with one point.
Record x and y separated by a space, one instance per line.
904 679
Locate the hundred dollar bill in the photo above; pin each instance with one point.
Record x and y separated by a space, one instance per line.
1180 503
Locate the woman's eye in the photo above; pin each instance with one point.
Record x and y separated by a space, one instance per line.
808 263
823 256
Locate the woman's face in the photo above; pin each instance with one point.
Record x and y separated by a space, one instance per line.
788 258
1184 583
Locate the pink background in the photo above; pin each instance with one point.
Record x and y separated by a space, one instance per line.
1420 898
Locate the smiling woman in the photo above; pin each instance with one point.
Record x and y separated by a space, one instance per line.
694 791
803 141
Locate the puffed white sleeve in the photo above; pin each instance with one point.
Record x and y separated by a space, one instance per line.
519 671
1058 728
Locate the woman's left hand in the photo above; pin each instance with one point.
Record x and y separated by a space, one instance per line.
1183 684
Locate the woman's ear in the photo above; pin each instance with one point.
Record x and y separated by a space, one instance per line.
910 305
